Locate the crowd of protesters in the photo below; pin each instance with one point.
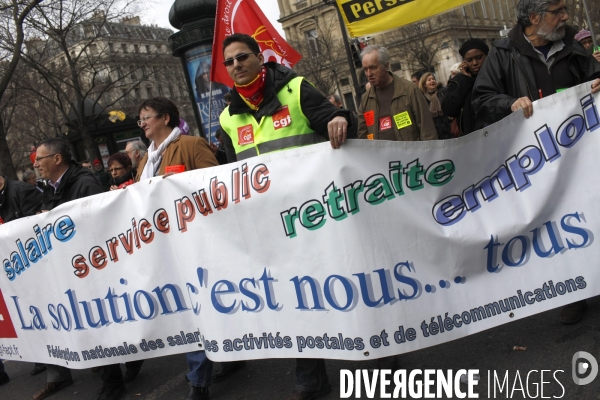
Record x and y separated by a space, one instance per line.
541 56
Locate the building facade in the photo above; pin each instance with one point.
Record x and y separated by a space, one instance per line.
117 66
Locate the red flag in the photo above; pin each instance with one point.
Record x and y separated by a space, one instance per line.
244 16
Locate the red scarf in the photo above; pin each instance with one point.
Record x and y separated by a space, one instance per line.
254 92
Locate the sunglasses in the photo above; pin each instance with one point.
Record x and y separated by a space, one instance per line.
240 57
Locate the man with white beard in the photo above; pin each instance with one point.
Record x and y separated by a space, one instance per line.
539 57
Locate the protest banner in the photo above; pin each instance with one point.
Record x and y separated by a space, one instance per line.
366 17
374 249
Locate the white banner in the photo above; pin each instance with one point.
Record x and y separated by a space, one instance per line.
374 249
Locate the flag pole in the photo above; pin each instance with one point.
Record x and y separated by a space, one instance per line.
589 21
209 111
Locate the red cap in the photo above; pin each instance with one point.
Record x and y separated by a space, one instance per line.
96 161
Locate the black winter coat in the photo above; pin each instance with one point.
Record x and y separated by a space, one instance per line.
315 106
457 103
77 182
19 200
508 74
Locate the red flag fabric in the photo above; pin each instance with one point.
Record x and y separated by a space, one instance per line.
244 16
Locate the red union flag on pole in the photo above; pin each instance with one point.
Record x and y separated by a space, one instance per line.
244 16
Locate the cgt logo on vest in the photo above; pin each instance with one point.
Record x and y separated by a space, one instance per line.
245 135
282 118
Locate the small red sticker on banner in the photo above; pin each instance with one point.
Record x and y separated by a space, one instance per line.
282 118
369 117
175 169
385 123
245 135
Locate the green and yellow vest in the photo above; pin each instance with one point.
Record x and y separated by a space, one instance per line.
287 128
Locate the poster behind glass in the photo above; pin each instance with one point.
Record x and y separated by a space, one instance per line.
198 60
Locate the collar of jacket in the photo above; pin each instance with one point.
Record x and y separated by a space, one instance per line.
517 40
399 89
67 177
277 77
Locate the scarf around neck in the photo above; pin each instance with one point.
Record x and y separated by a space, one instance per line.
434 103
254 92
155 155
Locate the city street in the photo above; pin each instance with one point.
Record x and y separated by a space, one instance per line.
549 346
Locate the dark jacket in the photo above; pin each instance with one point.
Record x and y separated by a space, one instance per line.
77 182
457 103
19 199
315 106
511 71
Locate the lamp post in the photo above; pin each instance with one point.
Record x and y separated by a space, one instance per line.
195 20
355 84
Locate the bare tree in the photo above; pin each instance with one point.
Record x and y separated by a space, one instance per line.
420 42
13 14
75 68
323 54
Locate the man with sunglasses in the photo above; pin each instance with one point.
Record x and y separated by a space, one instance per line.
539 57
297 113
273 109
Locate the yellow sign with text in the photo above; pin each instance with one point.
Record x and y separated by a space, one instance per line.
365 17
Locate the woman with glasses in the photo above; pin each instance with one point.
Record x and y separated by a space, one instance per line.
169 150
121 171
457 103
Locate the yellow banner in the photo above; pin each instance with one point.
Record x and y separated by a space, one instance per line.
365 17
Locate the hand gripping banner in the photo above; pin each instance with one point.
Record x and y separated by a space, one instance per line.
374 249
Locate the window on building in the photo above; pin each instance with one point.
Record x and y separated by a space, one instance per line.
124 48
148 48
160 90
149 91
500 10
136 48
300 4
474 10
94 49
312 42
132 72
507 10
345 81
492 10
159 47
396 66
111 47
137 93
483 10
